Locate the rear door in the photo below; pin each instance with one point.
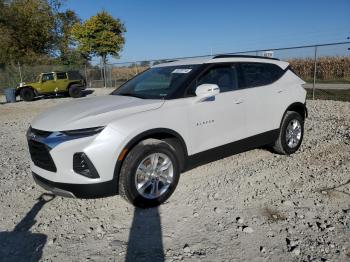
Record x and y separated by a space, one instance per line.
221 119
264 96
61 81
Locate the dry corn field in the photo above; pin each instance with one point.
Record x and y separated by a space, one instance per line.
125 73
328 68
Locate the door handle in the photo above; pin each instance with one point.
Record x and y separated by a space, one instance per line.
237 101
280 91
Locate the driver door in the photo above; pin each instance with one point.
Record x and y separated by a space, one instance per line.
48 83
221 119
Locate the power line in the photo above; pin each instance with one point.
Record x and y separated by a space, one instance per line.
241 52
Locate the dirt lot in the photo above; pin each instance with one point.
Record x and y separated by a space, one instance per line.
255 206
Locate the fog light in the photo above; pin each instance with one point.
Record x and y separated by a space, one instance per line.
83 166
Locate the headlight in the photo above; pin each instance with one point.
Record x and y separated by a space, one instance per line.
83 132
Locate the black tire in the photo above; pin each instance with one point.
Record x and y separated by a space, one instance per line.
74 91
27 94
127 184
281 145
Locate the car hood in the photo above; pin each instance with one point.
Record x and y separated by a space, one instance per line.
91 112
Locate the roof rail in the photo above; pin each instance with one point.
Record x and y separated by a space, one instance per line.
244 56
169 61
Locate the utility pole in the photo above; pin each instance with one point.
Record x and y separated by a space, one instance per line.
20 71
101 67
315 71
135 64
86 77
104 73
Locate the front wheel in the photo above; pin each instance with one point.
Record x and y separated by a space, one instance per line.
149 174
291 134
27 94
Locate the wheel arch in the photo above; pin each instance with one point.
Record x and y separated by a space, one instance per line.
72 83
280 146
299 108
165 134
18 91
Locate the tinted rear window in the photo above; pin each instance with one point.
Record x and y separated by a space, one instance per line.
61 75
75 75
260 74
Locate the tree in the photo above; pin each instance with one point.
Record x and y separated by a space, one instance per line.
64 24
26 29
100 35
37 31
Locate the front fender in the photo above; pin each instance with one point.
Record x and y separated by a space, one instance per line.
18 90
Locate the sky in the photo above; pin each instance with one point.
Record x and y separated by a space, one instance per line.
159 29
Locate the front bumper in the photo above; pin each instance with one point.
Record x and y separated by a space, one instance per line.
103 189
102 149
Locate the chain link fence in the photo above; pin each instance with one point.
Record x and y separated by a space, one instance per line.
325 68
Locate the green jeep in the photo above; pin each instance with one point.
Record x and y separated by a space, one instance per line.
70 83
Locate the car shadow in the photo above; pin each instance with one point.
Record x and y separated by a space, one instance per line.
145 237
84 93
21 244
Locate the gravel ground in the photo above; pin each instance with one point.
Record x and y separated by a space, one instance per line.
254 206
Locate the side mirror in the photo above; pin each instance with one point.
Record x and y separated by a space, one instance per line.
207 90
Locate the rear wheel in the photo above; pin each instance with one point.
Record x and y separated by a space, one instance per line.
27 94
74 91
291 134
149 174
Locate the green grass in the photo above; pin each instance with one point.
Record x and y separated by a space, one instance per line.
329 94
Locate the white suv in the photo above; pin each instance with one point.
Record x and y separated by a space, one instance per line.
172 117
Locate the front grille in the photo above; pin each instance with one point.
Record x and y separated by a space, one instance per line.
40 133
41 156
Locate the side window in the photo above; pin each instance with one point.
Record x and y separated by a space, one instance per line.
223 76
260 74
62 75
48 77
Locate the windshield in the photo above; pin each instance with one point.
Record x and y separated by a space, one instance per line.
156 83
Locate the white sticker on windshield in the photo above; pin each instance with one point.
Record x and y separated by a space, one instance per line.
181 71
